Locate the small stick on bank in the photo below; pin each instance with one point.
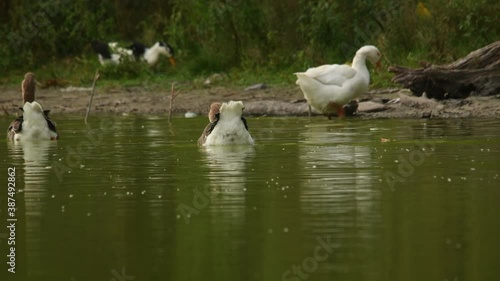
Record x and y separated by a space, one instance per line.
173 95
96 77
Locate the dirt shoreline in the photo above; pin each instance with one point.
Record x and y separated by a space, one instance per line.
271 101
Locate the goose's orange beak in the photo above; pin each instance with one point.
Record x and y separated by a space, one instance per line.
172 61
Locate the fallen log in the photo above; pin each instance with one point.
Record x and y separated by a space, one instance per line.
478 73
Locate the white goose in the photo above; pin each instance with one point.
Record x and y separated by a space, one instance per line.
35 124
226 126
328 88
110 53
152 54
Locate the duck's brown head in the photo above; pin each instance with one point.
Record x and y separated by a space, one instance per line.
214 109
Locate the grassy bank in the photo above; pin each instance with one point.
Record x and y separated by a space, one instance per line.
79 72
245 41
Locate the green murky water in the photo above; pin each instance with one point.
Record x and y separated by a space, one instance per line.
135 199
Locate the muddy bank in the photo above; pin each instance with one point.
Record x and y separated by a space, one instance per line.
271 101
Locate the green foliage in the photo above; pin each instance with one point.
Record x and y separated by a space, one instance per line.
247 36
451 30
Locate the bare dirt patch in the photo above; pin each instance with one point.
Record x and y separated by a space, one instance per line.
272 101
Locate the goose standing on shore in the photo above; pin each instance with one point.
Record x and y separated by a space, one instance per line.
227 125
328 88
35 124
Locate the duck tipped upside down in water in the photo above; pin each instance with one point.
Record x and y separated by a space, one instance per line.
227 125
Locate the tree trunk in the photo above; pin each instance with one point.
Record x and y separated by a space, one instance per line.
476 74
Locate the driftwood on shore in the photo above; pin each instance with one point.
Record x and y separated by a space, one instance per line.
476 74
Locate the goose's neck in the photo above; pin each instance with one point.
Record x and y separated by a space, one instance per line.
29 96
29 92
359 62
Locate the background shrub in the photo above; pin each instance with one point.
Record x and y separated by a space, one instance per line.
219 35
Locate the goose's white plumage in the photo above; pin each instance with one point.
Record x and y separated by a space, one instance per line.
228 128
111 53
328 87
118 54
34 124
152 55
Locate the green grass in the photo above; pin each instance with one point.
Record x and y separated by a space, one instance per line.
241 44
79 72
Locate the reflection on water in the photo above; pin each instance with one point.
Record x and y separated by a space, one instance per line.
36 161
265 206
324 152
339 199
224 217
34 157
227 164
227 180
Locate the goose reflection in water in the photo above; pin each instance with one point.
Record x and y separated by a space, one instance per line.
34 156
339 195
227 181
336 157
32 163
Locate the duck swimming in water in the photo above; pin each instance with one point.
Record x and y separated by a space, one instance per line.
227 125
35 124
